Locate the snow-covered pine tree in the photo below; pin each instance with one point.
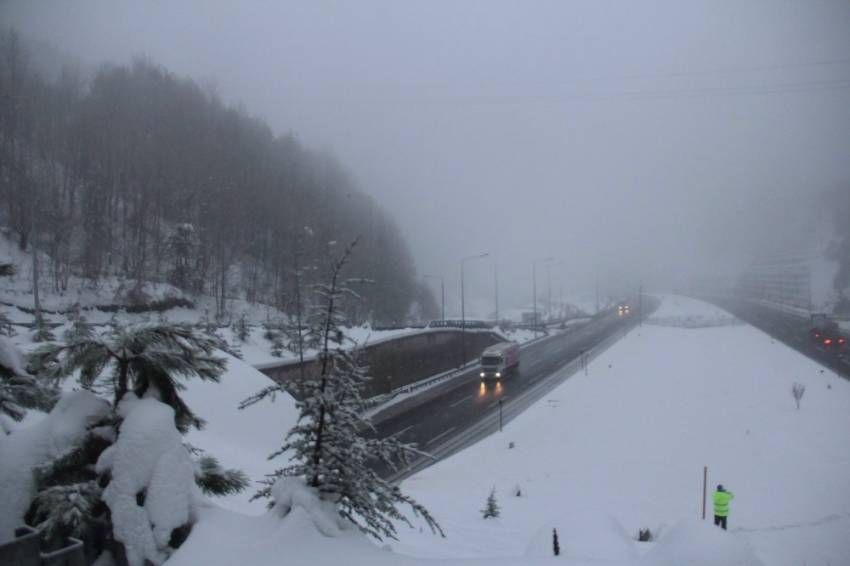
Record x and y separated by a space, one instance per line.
80 328
491 509
142 356
41 331
19 390
148 358
241 329
328 447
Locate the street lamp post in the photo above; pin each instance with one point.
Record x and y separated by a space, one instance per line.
463 306
534 286
442 294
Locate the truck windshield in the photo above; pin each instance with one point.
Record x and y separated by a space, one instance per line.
491 360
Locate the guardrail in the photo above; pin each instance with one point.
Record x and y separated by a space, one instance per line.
512 408
378 400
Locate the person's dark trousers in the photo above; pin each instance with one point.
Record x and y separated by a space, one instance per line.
720 521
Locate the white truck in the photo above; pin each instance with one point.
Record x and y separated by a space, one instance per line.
499 359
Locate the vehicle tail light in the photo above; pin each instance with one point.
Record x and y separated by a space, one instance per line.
828 341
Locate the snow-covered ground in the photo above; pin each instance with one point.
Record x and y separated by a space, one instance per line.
631 441
599 458
684 312
622 449
244 438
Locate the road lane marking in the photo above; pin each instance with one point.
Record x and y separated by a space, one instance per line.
441 435
464 400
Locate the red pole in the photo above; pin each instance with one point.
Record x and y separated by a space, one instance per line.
704 488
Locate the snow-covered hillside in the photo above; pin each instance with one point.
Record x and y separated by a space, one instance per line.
622 449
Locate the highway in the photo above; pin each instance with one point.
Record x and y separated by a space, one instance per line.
470 410
791 329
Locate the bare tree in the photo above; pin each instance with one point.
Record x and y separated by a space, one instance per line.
797 391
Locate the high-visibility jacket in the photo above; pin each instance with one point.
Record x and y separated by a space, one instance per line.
721 502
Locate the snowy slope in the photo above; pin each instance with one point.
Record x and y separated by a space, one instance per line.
619 450
240 438
631 440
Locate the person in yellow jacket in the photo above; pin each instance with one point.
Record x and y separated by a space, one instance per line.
722 497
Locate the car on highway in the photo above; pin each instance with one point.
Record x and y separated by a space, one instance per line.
623 310
827 334
498 360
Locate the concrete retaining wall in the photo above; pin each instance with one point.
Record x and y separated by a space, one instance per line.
404 360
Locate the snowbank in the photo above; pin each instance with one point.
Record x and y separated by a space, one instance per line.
240 439
699 543
689 313
586 534
27 447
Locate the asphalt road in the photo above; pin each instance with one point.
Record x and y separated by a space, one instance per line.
793 330
470 411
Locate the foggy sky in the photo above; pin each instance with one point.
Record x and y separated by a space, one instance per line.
643 140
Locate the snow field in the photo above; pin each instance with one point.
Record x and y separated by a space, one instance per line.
631 439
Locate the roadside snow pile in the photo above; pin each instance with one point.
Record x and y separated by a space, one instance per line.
699 543
299 530
293 499
241 439
27 447
689 313
586 534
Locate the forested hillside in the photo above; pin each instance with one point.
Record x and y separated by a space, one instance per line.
139 174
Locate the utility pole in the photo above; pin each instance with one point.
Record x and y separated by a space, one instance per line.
534 286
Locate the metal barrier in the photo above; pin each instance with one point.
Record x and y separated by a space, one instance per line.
26 550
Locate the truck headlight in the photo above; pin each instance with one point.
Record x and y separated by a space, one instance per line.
482 374
498 374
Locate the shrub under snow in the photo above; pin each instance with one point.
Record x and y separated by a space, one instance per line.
152 490
25 448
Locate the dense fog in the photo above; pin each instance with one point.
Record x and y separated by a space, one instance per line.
634 142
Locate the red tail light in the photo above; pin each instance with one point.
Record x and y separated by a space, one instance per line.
828 341
841 340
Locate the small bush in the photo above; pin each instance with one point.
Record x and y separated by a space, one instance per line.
491 509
